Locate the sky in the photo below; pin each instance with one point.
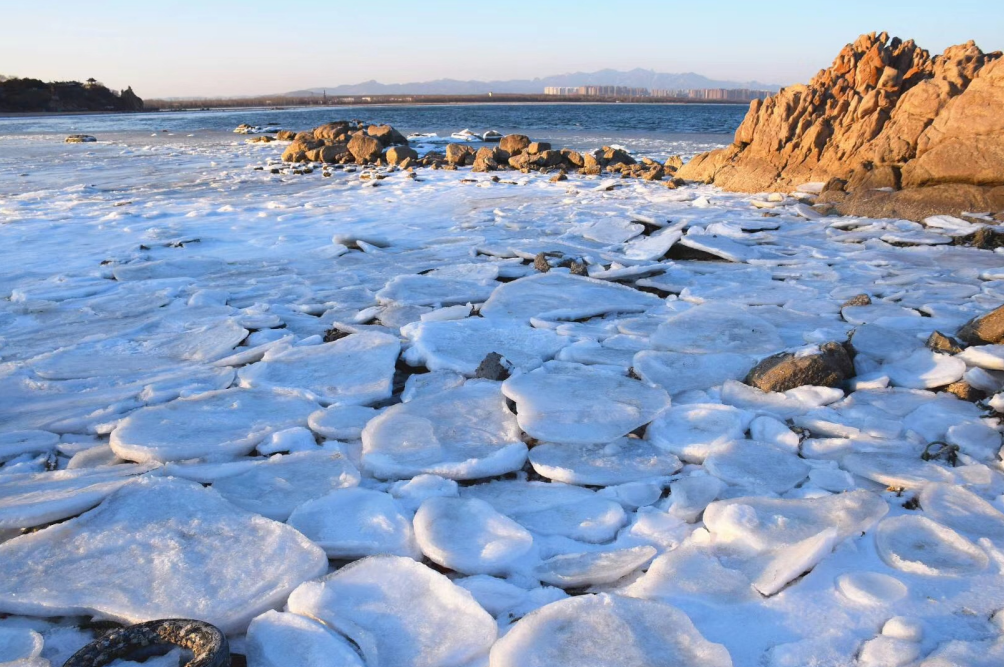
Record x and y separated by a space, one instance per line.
185 48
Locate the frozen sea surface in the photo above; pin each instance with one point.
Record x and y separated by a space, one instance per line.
254 398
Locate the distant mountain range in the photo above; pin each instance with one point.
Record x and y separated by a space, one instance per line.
636 78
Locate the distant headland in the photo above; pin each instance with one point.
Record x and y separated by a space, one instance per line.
24 95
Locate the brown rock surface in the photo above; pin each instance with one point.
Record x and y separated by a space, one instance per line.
514 144
885 114
828 367
459 154
398 154
985 329
364 149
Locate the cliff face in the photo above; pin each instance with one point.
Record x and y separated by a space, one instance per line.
885 115
35 95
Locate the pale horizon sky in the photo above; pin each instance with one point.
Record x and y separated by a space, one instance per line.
252 47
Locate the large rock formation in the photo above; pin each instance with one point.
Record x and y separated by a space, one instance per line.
884 115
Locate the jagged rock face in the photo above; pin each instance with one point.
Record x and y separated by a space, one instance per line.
885 114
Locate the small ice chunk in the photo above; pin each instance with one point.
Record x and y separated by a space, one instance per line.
469 536
963 511
989 357
341 422
603 464
918 545
19 647
554 295
413 492
714 328
461 345
757 466
215 425
202 557
690 572
898 471
768 429
593 567
885 651
399 612
296 439
16 443
925 369
434 291
278 639
871 588
571 403
677 372
353 523
274 488
553 508
905 628
695 431
461 433
689 496
607 630
355 370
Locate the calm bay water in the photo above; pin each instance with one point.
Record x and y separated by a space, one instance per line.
652 129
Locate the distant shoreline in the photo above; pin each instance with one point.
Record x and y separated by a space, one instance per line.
486 101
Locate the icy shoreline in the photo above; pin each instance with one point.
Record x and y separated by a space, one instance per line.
307 346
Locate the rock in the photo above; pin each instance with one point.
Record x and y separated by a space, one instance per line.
386 135
365 149
538 147
79 139
285 135
297 151
829 367
514 144
573 158
965 391
560 176
858 300
208 645
328 154
578 269
398 154
489 158
549 158
985 239
331 131
885 114
613 156
459 154
492 367
540 262
939 342
673 164
985 329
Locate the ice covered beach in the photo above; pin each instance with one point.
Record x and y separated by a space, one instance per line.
259 400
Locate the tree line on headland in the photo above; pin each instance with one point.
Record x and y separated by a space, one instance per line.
34 95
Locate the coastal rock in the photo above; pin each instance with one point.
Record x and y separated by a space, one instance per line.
79 139
885 115
285 135
331 131
829 366
459 154
386 135
514 144
985 329
398 154
365 149
538 147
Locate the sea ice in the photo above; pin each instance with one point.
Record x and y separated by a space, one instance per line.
918 545
277 486
461 433
469 536
216 425
560 296
757 466
355 370
158 548
277 639
681 371
592 567
607 631
694 432
351 523
603 464
399 612
571 403
461 345
716 328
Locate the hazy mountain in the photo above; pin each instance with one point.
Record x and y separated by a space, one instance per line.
636 78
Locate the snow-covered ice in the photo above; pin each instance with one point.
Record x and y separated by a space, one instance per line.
220 348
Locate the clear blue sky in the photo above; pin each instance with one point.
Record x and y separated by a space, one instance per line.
207 47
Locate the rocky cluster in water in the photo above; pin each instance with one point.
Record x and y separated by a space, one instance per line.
352 142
